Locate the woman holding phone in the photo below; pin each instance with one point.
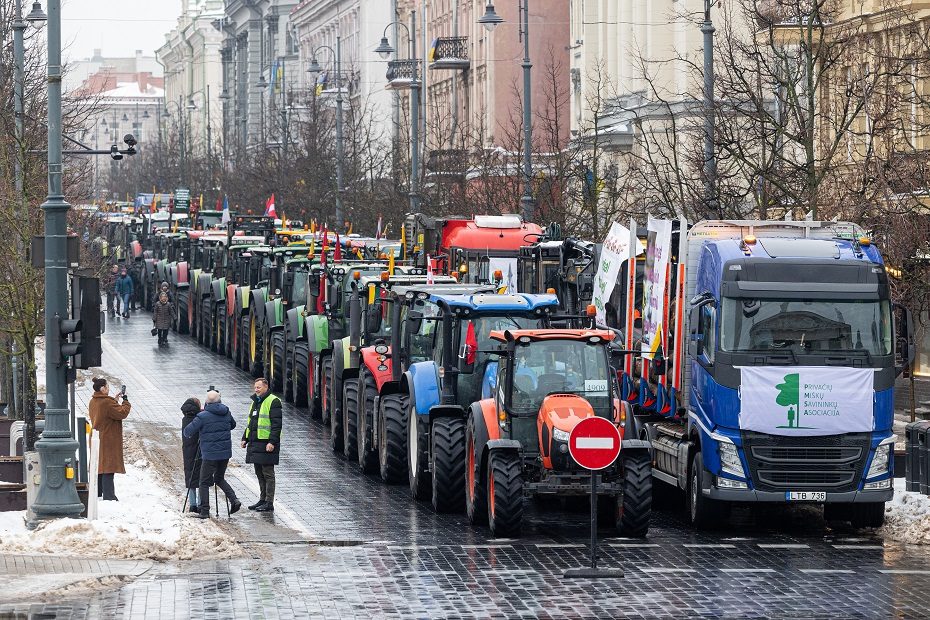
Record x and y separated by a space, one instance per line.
106 414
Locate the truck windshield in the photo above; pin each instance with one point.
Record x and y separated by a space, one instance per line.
805 326
559 366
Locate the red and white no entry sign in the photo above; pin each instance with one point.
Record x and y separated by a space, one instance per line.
594 443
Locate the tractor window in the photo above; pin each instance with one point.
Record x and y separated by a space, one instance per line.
559 367
299 292
418 333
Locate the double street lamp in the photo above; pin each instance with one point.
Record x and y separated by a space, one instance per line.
315 69
491 20
385 50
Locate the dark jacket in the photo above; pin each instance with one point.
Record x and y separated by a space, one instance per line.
191 444
213 424
255 449
162 315
124 285
112 279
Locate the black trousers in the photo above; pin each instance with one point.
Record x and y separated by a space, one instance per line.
162 336
213 472
266 482
105 486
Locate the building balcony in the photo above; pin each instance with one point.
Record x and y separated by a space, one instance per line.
400 74
449 53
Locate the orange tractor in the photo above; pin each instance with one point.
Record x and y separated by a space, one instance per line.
517 438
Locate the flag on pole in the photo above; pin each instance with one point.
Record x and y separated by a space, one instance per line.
391 263
337 252
154 206
349 229
283 221
313 226
226 219
378 229
403 242
201 202
312 253
269 208
429 271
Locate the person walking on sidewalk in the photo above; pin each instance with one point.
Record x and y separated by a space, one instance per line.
106 415
162 313
214 424
191 450
262 441
112 300
124 290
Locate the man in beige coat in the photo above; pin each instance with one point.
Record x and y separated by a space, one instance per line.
106 415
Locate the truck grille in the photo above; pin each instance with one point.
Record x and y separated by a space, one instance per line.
830 463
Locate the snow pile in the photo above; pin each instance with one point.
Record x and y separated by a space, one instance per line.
145 523
907 516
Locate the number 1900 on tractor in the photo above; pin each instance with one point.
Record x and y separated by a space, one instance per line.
517 437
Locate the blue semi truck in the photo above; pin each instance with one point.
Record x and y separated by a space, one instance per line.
781 353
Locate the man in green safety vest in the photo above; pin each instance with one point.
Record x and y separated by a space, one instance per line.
262 441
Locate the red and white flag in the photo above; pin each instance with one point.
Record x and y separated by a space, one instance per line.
429 271
378 229
269 208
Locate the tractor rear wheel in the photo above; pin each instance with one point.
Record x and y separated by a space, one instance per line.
205 327
253 348
368 389
448 458
299 369
241 344
392 440
350 417
634 506
335 413
417 454
182 316
326 384
476 499
276 359
505 494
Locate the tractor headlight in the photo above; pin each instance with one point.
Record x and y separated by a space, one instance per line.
729 459
559 435
880 461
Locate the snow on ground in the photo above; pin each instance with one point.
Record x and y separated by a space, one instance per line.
145 523
907 516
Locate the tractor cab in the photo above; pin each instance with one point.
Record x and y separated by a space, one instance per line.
567 267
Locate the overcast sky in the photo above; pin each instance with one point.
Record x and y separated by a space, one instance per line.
117 27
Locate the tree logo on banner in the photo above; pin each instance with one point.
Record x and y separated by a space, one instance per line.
789 395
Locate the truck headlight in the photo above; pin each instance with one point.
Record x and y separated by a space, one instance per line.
880 461
729 459
559 435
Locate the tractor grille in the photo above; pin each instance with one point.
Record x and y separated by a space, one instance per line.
830 463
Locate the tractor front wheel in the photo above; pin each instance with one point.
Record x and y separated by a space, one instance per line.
335 413
634 506
417 454
505 494
447 451
392 440
326 383
368 389
276 360
476 499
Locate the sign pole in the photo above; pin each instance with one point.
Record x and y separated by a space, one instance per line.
593 520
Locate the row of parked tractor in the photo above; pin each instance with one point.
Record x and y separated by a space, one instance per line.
415 355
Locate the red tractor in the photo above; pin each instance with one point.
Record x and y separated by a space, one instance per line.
516 441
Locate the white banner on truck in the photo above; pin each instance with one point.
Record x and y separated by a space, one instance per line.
806 400
614 252
658 251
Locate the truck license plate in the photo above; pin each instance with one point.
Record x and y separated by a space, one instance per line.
806 496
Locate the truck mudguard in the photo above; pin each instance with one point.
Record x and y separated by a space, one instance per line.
317 334
423 381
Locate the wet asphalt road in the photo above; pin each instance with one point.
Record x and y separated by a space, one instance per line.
342 544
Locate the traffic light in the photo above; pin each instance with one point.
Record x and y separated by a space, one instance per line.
85 304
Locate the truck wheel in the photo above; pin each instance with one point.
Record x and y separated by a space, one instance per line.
368 389
447 451
703 512
634 506
276 357
335 413
299 367
326 381
182 302
867 515
350 417
253 348
392 440
476 499
505 494
417 454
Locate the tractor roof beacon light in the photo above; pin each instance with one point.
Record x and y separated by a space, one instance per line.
490 20
591 310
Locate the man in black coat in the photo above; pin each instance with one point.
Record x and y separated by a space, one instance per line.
191 448
262 441
214 424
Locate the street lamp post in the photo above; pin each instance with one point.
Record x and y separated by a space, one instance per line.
710 160
314 69
490 20
57 496
385 50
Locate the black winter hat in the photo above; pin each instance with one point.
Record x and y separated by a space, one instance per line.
191 405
